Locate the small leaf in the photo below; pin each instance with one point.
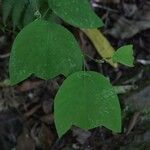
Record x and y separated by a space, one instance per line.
76 12
124 55
86 100
45 50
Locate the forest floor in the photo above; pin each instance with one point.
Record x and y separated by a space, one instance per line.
26 110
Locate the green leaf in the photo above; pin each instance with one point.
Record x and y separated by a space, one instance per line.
34 4
86 100
124 55
17 11
45 50
76 12
28 15
7 6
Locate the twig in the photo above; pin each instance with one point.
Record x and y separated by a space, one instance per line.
32 111
124 88
135 78
132 122
104 7
49 119
100 61
143 62
4 56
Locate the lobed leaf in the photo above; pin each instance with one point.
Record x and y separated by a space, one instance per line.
86 100
124 55
45 50
76 12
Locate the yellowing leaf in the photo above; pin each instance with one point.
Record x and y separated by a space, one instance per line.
101 44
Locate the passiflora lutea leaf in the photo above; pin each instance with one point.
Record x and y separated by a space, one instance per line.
45 50
86 100
124 55
76 12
